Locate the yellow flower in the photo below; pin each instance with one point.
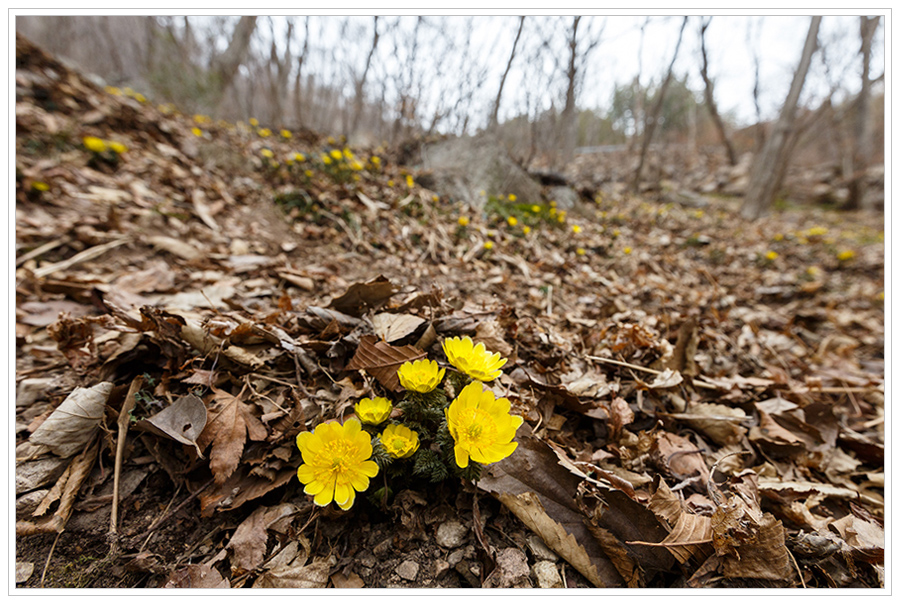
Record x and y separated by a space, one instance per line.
473 359
286 134
40 186
553 203
512 221
770 255
526 229
201 119
373 411
355 165
463 221
117 147
326 160
778 237
92 143
512 197
627 250
140 98
409 181
481 426
616 233
267 153
552 211
580 251
488 245
331 140
264 132
536 209
308 173
390 183
254 122
814 271
336 154
128 91
336 462
844 255
881 296
435 198
113 90
399 441
576 229
299 157
376 161
421 376
698 214
348 153
197 131
816 231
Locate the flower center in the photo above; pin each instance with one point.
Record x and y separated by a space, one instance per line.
342 454
478 428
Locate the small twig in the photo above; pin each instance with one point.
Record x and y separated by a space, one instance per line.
549 300
797 566
49 555
696 382
127 406
38 251
647 543
88 254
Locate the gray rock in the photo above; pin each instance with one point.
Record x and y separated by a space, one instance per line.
407 570
545 575
31 475
451 534
513 567
28 502
462 167
565 197
539 549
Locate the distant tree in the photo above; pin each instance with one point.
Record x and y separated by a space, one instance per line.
770 164
710 97
512 55
652 119
862 132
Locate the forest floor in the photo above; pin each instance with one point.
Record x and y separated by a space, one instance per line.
686 378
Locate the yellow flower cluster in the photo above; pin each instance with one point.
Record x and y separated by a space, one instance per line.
473 359
421 376
771 255
98 145
845 255
264 132
481 426
336 462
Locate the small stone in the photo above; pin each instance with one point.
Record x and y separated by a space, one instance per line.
458 555
367 560
540 549
451 534
546 575
440 568
407 570
23 571
513 567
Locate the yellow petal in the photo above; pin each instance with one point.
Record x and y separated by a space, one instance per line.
462 456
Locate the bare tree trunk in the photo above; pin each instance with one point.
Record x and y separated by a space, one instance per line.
770 163
226 64
568 112
710 99
361 82
512 55
862 147
298 80
654 114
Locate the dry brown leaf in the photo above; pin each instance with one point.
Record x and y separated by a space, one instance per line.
667 379
527 508
714 420
248 543
310 576
247 488
75 421
227 430
351 581
363 297
196 576
381 360
620 415
490 333
679 457
393 327
865 539
183 421
686 528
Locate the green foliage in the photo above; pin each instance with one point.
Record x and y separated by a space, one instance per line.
429 464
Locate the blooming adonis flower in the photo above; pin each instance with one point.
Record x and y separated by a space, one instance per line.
463 221
299 157
40 186
481 426
92 143
421 376
373 411
576 229
117 147
488 245
336 154
399 441
409 182
376 161
268 153
336 462
197 131
536 209
627 250
526 229
846 255
512 221
254 122
286 134
473 360
771 255
512 197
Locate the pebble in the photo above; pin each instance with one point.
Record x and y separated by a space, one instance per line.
407 570
540 549
451 534
546 575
